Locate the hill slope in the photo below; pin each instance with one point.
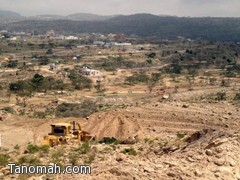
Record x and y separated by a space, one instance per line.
215 29
9 16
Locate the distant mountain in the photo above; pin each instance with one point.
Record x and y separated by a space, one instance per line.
214 29
9 16
46 17
72 17
87 17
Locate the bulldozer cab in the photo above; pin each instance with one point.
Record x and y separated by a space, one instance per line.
64 133
60 129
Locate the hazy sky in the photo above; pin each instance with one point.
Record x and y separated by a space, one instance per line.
168 7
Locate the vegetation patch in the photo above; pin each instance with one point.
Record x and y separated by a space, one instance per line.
129 151
84 109
4 158
108 140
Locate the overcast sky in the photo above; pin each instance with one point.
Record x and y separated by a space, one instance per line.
229 8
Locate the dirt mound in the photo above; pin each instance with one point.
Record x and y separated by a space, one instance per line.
121 125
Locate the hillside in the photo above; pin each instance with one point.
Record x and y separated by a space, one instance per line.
214 29
87 17
9 16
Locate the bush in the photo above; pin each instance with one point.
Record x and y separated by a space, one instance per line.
84 148
28 160
129 151
17 147
12 64
4 159
32 148
89 159
8 109
108 140
151 55
237 96
80 82
45 148
180 135
220 96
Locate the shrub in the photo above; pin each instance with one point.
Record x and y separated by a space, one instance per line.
220 96
89 159
4 159
84 148
108 140
28 160
180 135
17 147
237 96
8 109
32 148
80 82
151 55
129 151
45 148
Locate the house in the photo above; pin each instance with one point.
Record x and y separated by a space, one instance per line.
89 72
71 38
121 44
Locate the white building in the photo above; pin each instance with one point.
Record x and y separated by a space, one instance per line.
71 38
89 72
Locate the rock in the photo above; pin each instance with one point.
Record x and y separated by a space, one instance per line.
218 150
171 174
159 166
219 162
209 152
225 117
231 162
226 125
119 159
148 169
217 174
198 173
189 159
185 106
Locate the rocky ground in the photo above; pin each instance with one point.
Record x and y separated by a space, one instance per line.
160 140
188 136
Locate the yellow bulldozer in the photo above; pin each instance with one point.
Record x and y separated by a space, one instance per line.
66 133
